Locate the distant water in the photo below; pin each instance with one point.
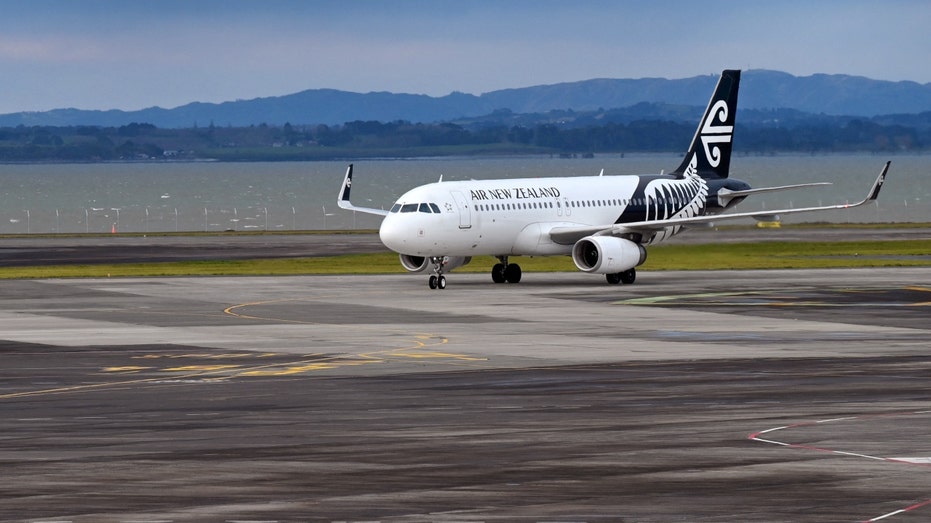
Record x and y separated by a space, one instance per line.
214 196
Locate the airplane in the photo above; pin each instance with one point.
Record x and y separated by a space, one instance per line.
603 222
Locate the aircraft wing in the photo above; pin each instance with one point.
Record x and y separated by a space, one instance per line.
569 235
343 198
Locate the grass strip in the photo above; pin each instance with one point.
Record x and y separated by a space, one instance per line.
761 255
791 255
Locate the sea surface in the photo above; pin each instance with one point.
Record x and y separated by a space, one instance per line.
284 196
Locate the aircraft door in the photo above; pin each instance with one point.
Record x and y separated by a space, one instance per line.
465 210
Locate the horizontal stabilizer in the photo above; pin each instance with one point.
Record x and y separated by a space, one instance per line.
726 195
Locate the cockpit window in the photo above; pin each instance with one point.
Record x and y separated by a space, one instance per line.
429 208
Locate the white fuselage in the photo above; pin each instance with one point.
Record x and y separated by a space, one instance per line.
514 217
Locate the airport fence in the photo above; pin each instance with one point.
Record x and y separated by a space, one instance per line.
176 219
282 219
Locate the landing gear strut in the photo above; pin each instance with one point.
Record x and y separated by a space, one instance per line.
505 272
437 280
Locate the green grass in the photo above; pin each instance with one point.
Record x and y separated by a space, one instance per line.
762 255
791 255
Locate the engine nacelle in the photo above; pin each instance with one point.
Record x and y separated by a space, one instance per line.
607 254
421 264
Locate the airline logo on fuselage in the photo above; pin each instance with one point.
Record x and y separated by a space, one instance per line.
712 133
515 193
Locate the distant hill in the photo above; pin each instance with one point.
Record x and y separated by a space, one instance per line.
760 90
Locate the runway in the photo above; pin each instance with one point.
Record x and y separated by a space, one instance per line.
690 396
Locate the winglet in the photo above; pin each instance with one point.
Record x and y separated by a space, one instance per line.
347 185
878 184
874 190
343 199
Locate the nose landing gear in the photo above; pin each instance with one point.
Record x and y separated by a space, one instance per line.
437 280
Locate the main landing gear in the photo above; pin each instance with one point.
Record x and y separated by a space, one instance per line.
626 277
505 272
437 280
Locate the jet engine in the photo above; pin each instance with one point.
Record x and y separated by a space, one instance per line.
422 264
607 254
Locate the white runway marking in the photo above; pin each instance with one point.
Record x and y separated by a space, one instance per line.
918 461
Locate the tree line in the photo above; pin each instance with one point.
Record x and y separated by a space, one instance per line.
142 141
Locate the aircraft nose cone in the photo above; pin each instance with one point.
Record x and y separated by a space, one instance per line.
391 234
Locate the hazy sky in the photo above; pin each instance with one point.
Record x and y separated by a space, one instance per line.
132 54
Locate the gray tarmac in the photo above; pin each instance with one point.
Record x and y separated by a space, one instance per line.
689 396
25 250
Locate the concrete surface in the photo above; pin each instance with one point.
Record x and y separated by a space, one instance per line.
689 396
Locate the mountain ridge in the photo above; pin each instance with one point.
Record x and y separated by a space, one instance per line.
829 94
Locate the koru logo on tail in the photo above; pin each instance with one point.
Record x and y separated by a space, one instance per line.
714 134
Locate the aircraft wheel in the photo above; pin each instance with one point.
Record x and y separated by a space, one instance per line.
512 273
441 282
613 278
497 273
434 281
628 276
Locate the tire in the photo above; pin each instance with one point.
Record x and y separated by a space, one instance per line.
497 273
512 273
628 276
613 278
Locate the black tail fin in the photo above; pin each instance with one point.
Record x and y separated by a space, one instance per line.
709 156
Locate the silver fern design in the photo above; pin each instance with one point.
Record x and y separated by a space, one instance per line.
680 198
